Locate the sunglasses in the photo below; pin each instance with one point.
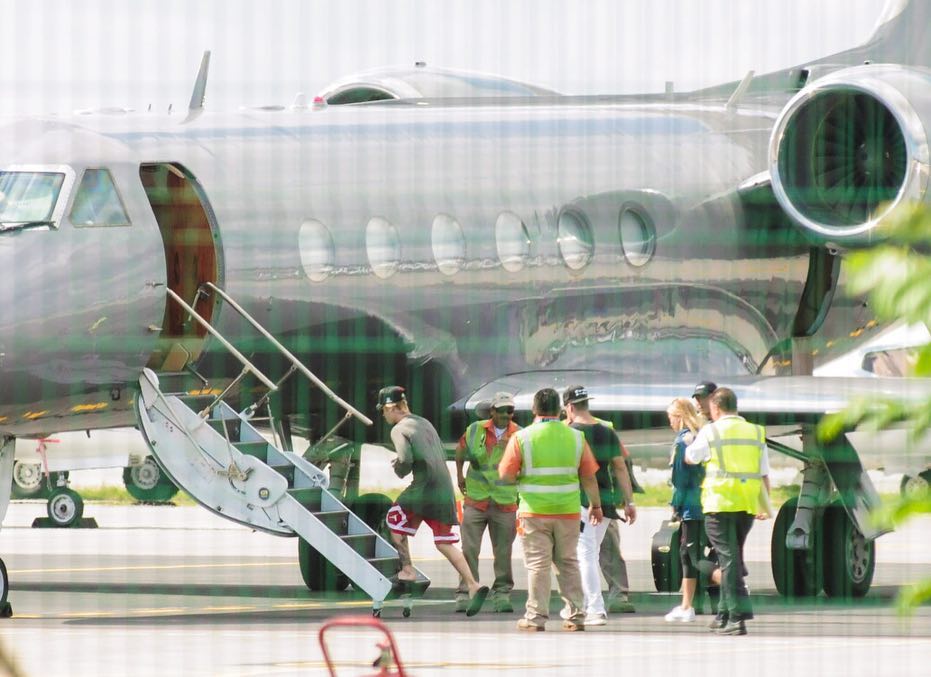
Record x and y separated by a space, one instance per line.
504 410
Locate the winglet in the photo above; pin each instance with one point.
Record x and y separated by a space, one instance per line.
200 87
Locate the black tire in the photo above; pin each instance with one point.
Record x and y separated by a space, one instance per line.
28 480
849 558
65 507
915 484
795 572
4 585
372 509
318 573
147 483
664 557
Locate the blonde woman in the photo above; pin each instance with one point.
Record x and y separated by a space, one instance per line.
686 502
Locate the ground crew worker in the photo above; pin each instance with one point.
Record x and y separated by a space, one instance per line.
549 461
736 477
429 498
488 500
614 488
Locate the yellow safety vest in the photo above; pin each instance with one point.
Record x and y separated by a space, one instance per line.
482 481
732 475
549 477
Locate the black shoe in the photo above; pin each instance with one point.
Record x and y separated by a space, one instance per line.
733 628
719 622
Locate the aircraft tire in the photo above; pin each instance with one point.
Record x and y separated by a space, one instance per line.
4 584
318 573
372 509
849 558
28 481
794 571
664 558
65 507
147 483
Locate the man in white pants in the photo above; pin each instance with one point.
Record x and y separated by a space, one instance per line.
606 447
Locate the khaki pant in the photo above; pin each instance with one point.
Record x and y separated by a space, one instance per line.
612 563
550 542
502 529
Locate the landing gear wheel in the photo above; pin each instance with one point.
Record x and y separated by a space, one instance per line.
406 612
6 611
372 509
65 507
794 571
376 613
28 481
147 483
318 573
849 558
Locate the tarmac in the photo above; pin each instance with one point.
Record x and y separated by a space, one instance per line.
177 591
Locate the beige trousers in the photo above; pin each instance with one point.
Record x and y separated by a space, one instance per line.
502 529
550 542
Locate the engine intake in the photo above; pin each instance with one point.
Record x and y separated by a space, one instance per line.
850 148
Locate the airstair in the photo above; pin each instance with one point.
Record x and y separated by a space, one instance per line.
217 455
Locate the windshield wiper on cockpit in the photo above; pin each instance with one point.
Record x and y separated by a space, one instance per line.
7 226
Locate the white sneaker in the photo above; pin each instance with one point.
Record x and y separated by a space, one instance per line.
596 619
680 615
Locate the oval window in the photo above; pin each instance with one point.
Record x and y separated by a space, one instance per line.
512 240
638 236
383 246
448 244
317 251
576 244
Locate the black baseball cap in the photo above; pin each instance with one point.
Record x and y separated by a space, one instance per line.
390 395
704 389
574 394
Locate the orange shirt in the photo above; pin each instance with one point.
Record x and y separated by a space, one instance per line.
490 441
513 458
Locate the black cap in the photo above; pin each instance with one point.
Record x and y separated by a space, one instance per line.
704 389
390 395
574 394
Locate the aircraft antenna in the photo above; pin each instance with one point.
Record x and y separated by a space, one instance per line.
739 92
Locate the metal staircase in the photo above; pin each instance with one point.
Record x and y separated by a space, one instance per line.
216 455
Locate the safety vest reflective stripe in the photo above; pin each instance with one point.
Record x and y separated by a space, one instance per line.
717 446
482 480
732 474
547 484
536 489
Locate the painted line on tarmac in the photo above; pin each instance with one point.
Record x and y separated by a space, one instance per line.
152 567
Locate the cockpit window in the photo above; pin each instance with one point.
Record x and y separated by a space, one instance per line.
97 203
28 197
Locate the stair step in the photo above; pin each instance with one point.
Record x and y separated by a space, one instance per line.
309 498
257 449
336 521
386 566
364 544
286 471
233 427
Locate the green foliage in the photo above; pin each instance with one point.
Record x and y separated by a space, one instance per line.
896 276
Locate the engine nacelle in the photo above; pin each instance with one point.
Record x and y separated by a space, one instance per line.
851 147
423 82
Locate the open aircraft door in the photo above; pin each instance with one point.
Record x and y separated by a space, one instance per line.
192 257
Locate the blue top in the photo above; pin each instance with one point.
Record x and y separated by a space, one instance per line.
686 482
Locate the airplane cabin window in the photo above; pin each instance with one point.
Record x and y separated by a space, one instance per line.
318 253
576 243
638 236
448 244
97 203
28 197
513 241
383 246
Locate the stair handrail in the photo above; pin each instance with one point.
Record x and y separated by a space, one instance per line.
287 353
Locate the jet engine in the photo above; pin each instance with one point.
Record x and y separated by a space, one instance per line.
851 147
